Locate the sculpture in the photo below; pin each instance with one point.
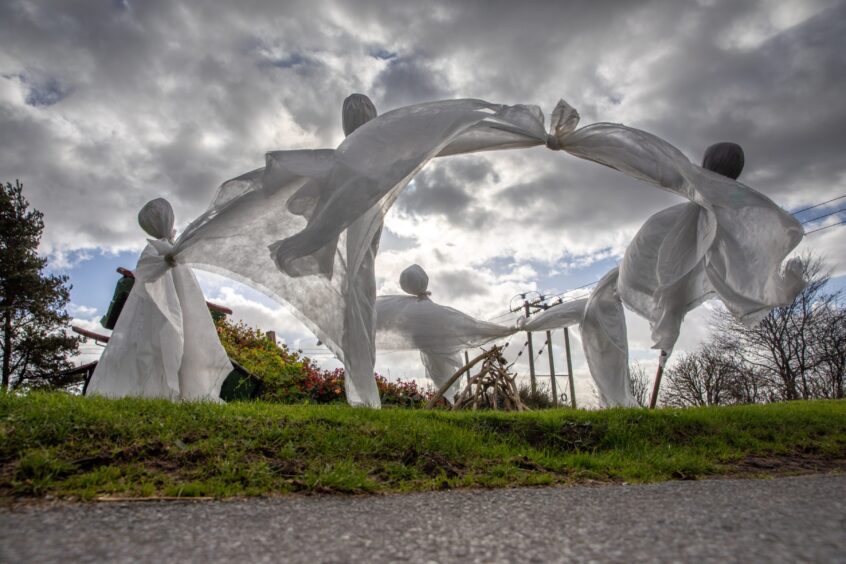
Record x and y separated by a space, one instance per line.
164 344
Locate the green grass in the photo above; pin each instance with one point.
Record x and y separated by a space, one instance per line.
60 445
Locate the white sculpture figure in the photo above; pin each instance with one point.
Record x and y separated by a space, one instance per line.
439 332
307 191
164 344
414 322
728 242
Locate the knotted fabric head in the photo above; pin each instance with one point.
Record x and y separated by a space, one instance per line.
358 110
156 218
415 281
724 158
562 123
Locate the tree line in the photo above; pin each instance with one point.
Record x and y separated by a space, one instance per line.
798 351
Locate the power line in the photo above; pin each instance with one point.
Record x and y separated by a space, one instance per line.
519 354
537 356
818 205
826 227
824 216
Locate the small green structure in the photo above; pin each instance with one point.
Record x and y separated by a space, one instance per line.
240 384
122 290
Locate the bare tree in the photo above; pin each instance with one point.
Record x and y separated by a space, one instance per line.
831 348
708 377
797 351
639 384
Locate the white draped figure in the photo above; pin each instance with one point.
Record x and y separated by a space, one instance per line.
304 229
728 242
164 344
440 333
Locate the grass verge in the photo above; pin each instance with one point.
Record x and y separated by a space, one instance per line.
65 446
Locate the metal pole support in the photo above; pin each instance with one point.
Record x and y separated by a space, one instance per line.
552 380
570 368
532 382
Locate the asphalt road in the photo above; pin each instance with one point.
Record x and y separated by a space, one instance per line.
780 520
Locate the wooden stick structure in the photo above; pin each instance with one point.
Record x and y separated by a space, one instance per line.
493 387
653 400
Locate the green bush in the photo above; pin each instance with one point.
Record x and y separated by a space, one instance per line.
287 377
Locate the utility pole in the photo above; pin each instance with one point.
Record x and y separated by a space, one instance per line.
569 368
531 351
540 304
553 382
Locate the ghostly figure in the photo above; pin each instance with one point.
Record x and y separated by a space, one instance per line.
164 344
415 322
728 243
440 333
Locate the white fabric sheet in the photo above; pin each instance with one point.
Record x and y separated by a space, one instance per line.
605 343
164 344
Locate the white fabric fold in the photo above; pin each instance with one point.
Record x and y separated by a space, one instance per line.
605 343
728 242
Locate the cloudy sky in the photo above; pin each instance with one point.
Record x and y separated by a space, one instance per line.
106 105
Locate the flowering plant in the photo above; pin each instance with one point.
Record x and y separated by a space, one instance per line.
288 377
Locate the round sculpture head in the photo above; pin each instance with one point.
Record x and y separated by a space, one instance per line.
358 110
156 218
414 281
724 158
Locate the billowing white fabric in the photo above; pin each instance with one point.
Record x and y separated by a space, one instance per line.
561 315
605 343
440 333
380 158
321 212
730 242
164 344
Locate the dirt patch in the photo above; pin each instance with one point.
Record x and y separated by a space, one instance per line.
568 436
432 463
787 464
288 468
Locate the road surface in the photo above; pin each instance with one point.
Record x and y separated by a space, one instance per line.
780 520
